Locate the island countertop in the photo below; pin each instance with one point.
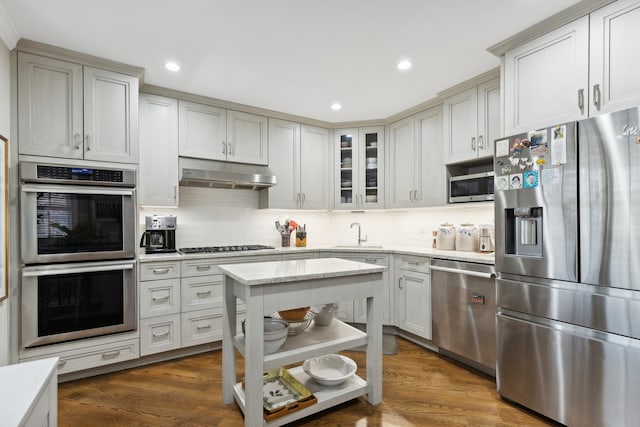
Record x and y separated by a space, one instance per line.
260 273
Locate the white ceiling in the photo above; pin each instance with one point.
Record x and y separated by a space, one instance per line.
292 56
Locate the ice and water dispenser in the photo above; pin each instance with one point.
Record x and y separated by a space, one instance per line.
523 231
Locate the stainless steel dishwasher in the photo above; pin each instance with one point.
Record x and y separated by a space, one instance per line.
463 299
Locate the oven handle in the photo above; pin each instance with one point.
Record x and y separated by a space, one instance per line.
53 271
39 188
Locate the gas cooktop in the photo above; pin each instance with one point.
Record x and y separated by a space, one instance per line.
213 249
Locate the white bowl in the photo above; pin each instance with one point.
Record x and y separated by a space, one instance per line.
275 334
330 369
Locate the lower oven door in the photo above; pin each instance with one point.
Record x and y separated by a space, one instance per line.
64 302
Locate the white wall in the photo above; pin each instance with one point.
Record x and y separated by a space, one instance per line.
5 125
225 217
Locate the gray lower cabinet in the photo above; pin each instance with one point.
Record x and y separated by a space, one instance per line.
413 295
181 302
159 299
356 310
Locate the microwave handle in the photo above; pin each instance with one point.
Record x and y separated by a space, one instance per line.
52 271
142 239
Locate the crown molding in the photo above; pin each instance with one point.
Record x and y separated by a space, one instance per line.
553 22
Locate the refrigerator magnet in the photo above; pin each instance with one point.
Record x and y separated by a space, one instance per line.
559 145
530 179
516 181
502 183
502 148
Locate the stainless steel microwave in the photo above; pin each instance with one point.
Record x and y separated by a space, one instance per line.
475 187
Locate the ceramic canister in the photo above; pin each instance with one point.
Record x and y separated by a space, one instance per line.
446 238
467 238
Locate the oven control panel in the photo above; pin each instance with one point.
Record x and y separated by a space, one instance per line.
38 172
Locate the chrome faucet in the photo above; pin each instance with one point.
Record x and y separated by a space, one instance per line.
360 240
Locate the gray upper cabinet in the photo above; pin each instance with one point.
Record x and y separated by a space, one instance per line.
158 176
202 131
416 173
72 111
359 168
582 69
214 133
472 122
299 156
546 79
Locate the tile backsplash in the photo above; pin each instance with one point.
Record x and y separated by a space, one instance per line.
226 217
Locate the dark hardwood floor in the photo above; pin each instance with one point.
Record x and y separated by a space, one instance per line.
420 388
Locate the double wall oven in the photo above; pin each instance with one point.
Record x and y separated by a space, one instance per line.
77 251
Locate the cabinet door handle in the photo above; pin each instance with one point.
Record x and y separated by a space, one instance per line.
415 195
304 198
160 298
400 283
160 270
581 100
200 328
61 363
88 138
160 334
361 200
224 147
76 141
175 192
203 267
231 150
203 293
473 143
480 142
596 96
111 354
416 263
411 196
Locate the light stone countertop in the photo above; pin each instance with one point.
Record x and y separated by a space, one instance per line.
261 273
482 258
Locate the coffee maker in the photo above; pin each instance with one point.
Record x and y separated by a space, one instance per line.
160 234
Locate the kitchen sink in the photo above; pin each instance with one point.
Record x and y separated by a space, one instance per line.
358 246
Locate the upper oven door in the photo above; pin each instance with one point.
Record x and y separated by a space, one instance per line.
61 223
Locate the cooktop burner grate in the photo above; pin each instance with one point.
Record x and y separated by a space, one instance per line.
214 249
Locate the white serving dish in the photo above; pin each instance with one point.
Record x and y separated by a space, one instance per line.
330 369
275 333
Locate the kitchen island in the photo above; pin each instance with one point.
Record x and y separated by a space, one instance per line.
268 287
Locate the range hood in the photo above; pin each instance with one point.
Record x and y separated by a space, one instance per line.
218 174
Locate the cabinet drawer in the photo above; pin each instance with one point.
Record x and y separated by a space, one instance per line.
159 270
414 263
159 298
159 334
209 266
203 326
203 267
99 356
200 293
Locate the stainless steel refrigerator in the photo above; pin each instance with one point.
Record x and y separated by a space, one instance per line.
568 262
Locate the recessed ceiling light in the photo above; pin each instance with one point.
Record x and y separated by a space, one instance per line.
404 65
335 106
172 66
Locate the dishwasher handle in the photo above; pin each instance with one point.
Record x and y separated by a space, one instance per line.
465 272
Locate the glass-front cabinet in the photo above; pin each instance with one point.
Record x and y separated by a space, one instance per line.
360 168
